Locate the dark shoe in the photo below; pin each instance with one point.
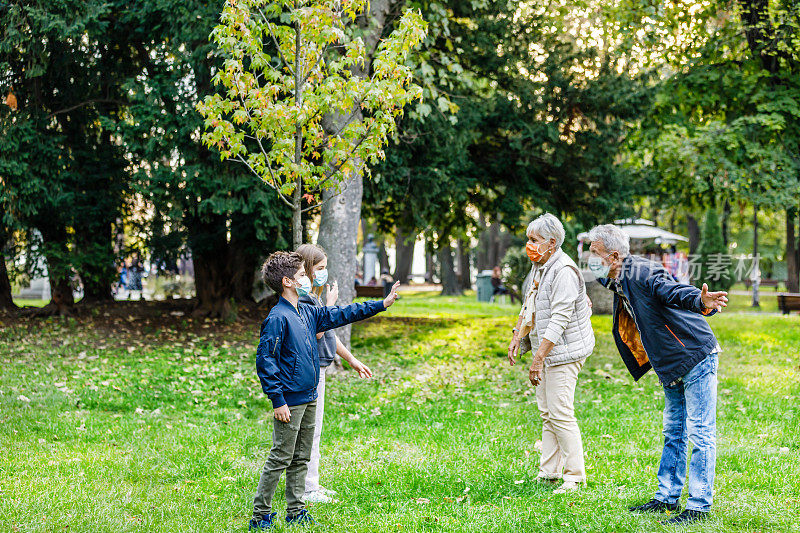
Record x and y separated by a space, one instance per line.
686 517
302 518
265 522
656 506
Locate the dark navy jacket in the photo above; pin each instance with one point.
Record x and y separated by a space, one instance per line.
287 361
668 331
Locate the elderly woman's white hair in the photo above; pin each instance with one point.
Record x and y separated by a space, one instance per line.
548 227
613 238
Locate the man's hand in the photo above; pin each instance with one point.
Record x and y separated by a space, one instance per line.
333 293
282 413
513 349
387 303
536 370
713 300
362 369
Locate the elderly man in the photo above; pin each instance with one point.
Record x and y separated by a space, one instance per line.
556 316
659 323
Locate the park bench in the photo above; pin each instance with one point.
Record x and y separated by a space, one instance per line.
764 283
788 302
369 291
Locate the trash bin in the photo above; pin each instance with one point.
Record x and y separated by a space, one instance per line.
484 286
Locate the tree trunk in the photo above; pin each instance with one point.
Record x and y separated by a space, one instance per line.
430 266
213 277
463 259
338 232
404 255
59 272
383 256
243 268
213 285
694 233
97 276
756 261
6 301
450 284
726 213
493 245
792 266
481 252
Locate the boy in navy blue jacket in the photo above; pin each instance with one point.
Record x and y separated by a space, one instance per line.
287 363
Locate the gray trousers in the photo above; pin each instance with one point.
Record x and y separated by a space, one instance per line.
291 449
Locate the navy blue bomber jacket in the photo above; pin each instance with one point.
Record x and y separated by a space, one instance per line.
668 330
287 360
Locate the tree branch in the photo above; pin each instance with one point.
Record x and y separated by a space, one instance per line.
87 102
280 194
275 40
349 156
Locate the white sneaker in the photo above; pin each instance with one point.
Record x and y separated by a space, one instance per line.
327 492
317 497
568 486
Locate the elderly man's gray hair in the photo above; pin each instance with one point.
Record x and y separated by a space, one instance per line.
548 227
613 238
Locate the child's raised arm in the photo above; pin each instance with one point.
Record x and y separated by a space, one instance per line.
338 316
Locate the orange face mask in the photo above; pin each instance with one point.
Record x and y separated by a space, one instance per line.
533 252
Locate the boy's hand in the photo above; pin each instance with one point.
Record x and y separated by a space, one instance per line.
387 303
282 413
362 369
333 293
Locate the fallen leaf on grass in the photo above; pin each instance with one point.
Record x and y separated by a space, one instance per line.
422 500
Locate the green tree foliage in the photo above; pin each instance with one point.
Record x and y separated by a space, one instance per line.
539 122
724 118
214 208
62 165
271 114
716 267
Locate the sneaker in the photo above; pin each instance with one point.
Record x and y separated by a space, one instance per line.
547 480
328 492
265 522
302 518
686 517
656 506
568 486
317 496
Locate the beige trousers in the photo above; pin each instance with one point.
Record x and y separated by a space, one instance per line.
562 447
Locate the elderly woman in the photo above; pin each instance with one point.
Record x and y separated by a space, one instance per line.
555 314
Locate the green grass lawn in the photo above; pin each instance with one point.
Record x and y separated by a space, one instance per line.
166 430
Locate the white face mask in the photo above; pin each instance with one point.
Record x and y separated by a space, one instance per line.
304 286
321 277
597 267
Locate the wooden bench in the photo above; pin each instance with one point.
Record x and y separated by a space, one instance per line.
764 283
788 302
369 291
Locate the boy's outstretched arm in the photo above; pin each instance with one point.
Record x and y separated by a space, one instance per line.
337 316
267 356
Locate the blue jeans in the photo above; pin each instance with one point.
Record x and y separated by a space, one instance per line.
690 413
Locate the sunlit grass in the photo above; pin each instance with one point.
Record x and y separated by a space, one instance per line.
167 431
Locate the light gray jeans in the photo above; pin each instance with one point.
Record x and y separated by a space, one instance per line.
312 479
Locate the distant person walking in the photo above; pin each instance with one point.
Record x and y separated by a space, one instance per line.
499 288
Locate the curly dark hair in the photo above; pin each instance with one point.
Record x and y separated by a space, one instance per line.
280 265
